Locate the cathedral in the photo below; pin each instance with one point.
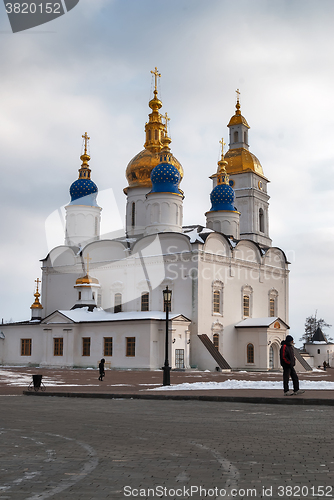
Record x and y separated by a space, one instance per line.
102 297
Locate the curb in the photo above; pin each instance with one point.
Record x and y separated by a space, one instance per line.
294 400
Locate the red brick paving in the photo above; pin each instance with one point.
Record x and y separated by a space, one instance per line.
128 382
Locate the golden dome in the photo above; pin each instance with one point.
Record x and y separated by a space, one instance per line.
37 304
238 119
138 171
86 280
241 160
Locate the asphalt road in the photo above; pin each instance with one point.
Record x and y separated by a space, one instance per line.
89 449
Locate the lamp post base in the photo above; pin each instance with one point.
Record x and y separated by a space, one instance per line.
166 376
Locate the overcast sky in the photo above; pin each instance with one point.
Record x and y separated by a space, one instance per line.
89 70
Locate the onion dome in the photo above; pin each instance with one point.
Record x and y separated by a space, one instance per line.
84 191
165 177
138 171
222 196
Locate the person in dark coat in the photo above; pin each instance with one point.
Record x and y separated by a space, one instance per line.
101 369
288 361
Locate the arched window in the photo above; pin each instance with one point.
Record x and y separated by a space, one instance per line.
236 136
145 301
216 301
273 300
149 135
118 303
156 136
246 305
250 353
272 308
79 295
245 137
133 214
216 340
261 220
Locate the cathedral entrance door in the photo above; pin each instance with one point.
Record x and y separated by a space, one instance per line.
271 358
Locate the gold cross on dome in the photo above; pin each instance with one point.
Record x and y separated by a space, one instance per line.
166 122
86 141
238 94
38 281
88 259
156 75
222 144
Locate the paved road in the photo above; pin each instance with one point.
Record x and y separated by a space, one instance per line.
90 449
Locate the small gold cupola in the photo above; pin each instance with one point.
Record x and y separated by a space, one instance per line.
239 158
36 307
84 171
222 175
87 289
154 128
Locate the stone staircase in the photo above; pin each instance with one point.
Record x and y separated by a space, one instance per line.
221 362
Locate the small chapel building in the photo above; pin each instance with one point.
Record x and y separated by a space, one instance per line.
104 297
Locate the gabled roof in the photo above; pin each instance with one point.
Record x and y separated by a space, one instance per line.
82 315
260 322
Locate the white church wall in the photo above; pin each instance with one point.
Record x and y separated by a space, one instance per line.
12 344
104 251
320 353
200 357
53 283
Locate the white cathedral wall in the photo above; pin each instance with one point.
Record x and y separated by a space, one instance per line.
244 270
158 260
82 224
58 292
137 196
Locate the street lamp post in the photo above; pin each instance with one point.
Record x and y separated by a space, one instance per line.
166 368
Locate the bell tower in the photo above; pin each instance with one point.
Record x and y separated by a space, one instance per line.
248 181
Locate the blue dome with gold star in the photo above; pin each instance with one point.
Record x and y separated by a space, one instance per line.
83 192
165 177
222 198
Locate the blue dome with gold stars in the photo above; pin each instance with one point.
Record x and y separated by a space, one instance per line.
83 192
165 177
222 198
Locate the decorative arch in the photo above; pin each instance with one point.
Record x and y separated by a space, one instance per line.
272 303
248 251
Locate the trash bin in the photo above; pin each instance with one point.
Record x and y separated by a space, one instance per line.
37 380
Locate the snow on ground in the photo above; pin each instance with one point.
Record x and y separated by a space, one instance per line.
24 379
245 384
